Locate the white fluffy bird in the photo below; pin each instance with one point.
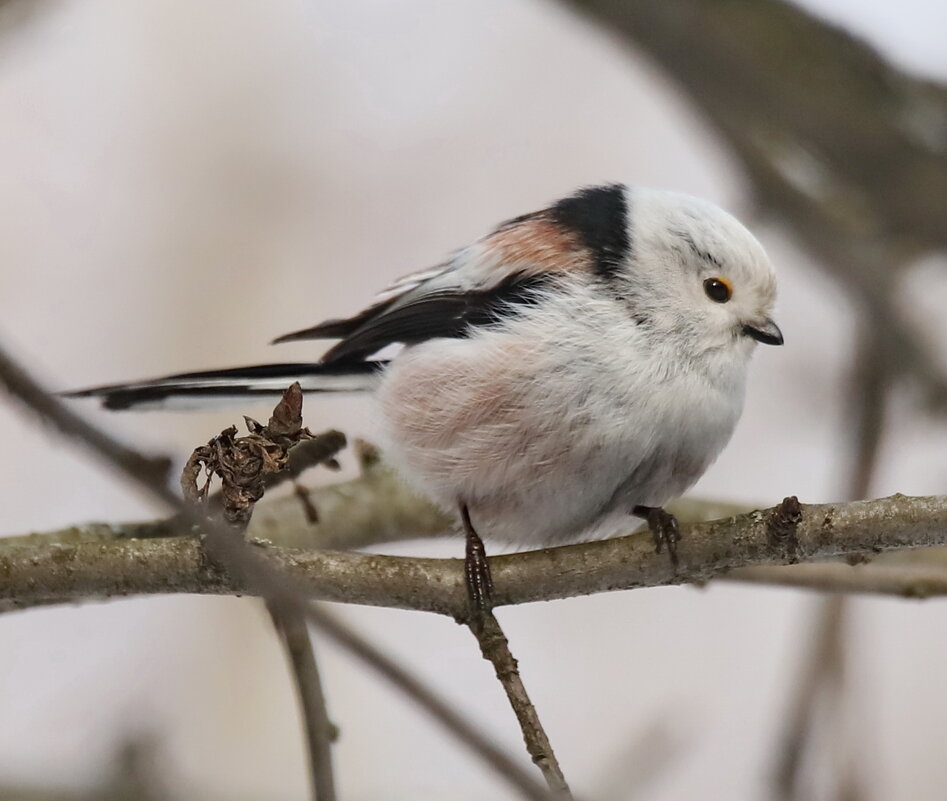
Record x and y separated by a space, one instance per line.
573 366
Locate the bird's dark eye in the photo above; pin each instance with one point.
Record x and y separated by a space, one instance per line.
718 289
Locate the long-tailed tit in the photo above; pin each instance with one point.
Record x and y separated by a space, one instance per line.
573 366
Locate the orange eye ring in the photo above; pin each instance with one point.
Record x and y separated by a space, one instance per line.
719 290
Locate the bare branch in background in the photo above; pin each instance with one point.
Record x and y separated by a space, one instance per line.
867 402
134 776
821 672
320 731
374 508
844 148
17 14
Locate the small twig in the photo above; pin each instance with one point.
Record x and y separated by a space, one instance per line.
455 723
320 731
496 650
320 450
306 453
248 465
301 493
249 569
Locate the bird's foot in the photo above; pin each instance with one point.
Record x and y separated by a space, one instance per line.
664 529
477 574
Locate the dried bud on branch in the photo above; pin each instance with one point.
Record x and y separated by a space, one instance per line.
248 465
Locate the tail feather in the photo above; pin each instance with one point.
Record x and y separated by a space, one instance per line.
211 387
336 328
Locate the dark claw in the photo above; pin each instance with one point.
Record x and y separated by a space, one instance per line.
477 573
664 529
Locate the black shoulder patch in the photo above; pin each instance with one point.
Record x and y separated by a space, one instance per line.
599 215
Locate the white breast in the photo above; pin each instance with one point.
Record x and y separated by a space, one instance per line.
555 424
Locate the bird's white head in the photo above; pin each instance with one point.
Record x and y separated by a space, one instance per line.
696 275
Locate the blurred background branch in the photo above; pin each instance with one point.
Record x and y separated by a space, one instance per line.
839 145
135 775
14 14
319 729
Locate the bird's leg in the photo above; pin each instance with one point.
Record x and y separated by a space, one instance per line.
477 573
663 527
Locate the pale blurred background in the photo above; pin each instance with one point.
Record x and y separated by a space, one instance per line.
171 170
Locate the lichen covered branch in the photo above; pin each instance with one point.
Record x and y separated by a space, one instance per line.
32 574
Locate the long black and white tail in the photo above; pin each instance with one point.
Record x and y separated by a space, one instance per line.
214 387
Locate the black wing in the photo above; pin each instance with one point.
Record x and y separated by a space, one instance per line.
449 313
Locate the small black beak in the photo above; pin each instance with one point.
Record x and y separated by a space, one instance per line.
768 333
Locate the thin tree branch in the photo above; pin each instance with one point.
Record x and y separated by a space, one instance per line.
320 731
66 573
255 573
496 649
440 710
